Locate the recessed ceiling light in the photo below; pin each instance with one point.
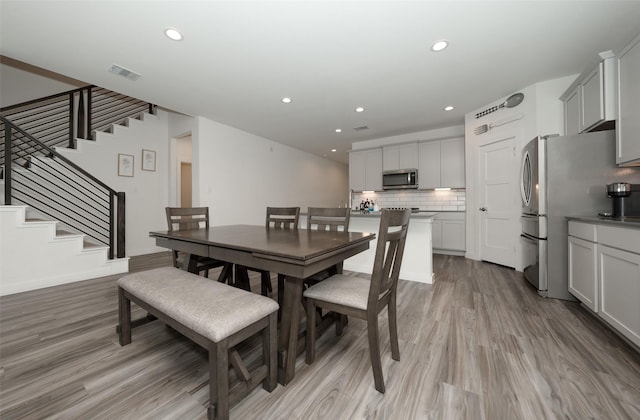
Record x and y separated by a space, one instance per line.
338 130
286 100
439 45
173 33
448 108
333 150
359 109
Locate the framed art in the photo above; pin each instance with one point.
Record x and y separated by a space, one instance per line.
148 160
125 165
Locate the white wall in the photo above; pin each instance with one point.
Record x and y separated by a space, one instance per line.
20 82
238 175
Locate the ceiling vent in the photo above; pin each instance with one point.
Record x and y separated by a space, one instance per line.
361 128
121 71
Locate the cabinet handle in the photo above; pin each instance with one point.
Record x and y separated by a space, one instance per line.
483 209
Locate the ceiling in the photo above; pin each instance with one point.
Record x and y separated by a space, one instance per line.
238 59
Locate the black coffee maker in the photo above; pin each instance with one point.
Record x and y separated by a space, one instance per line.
626 199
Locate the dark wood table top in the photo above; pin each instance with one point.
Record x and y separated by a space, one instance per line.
299 246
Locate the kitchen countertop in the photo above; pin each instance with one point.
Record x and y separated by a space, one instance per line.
625 222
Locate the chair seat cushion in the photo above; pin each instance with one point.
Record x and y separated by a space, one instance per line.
341 289
214 310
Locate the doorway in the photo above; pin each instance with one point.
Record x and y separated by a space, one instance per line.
185 184
497 182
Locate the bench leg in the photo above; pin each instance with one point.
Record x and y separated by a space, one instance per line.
218 381
270 353
124 318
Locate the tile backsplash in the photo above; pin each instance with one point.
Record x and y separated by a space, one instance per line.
431 200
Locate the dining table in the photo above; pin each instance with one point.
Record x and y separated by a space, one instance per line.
294 253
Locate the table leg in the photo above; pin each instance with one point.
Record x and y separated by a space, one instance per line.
289 325
192 263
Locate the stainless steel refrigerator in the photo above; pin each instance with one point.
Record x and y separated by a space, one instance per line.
560 177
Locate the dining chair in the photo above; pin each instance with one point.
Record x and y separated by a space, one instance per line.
189 218
327 219
277 218
363 298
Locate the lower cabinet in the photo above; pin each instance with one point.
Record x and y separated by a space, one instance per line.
583 271
604 274
448 233
620 290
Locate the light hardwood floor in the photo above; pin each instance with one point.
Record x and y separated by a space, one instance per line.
478 344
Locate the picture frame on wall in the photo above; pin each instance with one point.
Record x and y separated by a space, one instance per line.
148 160
125 165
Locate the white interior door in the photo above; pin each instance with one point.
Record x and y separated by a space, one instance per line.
497 185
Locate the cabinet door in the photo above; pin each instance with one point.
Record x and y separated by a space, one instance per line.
452 163
374 170
620 290
429 164
593 98
390 158
453 235
583 271
408 156
572 113
357 171
628 119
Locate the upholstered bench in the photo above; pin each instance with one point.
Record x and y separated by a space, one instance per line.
215 316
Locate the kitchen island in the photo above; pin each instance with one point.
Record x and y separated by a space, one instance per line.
417 263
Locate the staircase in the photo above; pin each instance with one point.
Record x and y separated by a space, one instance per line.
37 253
40 246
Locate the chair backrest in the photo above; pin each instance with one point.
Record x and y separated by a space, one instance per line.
187 218
389 251
283 217
328 218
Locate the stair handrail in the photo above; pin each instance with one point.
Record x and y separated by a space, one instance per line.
117 237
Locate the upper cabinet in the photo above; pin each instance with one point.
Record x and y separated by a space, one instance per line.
365 170
403 156
590 102
628 118
441 164
572 112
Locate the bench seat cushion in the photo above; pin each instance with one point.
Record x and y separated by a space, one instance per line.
214 310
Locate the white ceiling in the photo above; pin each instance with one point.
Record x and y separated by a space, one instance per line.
239 58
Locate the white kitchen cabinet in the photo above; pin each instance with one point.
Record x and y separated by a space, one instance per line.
448 230
620 290
429 164
365 170
583 264
402 156
590 102
452 163
441 164
628 118
613 253
572 112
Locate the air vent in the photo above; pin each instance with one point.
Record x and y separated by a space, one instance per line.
121 71
486 111
361 128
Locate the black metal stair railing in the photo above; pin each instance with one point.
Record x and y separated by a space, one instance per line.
37 176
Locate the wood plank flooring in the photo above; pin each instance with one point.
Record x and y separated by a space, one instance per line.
478 344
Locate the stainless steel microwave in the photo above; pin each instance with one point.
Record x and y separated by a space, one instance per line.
400 179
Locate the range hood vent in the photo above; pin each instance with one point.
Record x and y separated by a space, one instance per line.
361 128
124 72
